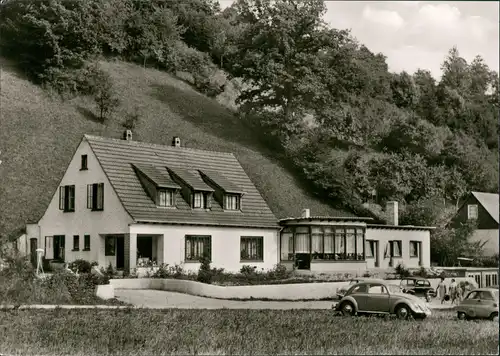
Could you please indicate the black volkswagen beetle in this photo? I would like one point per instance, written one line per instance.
(419, 287)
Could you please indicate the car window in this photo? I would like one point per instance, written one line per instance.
(495, 293)
(422, 283)
(473, 295)
(359, 289)
(409, 282)
(486, 295)
(377, 289)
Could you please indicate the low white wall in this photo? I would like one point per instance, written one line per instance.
(297, 291)
(274, 291)
(105, 291)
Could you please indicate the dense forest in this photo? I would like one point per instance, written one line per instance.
(324, 102)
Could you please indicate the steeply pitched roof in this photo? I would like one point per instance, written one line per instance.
(117, 157)
(489, 201)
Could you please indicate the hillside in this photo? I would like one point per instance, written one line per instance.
(39, 133)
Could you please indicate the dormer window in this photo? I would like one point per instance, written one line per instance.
(198, 200)
(83, 166)
(201, 200)
(165, 197)
(231, 202)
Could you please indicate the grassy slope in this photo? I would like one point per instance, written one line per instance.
(38, 135)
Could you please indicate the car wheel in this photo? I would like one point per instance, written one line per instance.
(461, 316)
(403, 312)
(494, 316)
(347, 309)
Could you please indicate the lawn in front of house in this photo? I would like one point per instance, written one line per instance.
(230, 332)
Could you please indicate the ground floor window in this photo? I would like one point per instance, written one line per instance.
(86, 243)
(414, 248)
(110, 246)
(252, 248)
(370, 248)
(76, 243)
(59, 247)
(323, 243)
(197, 247)
(395, 248)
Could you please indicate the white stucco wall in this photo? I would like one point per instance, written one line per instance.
(405, 236)
(113, 219)
(225, 245)
(491, 239)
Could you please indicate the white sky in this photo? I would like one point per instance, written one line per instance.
(418, 34)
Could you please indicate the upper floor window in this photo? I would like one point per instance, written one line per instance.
(84, 163)
(472, 212)
(67, 198)
(95, 196)
(231, 202)
(200, 200)
(165, 197)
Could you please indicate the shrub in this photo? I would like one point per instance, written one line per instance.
(82, 266)
(205, 272)
(247, 269)
(422, 272)
(402, 271)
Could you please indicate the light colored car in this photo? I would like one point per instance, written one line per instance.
(479, 303)
(341, 291)
(380, 297)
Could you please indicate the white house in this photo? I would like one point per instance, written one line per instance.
(125, 202)
(130, 203)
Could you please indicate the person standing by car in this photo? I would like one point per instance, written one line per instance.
(441, 288)
(453, 291)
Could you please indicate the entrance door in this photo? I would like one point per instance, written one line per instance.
(120, 252)
(33, 254)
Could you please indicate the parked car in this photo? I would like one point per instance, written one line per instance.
(341, 291)
(380, 297)
(480, 303)
(419, 287)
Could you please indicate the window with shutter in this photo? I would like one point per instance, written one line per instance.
(67, 198)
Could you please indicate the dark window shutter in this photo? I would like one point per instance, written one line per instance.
(61, 197)
(100, 189)
(89, 196)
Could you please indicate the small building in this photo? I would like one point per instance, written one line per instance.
(484, 209)
(340, 244)
(129, 203)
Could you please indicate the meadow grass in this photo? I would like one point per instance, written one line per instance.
(237, 332)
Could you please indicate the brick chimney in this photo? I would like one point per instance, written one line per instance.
(127, 135)
(392, 213)
(176, 142)
(306, 213)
